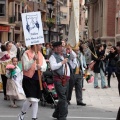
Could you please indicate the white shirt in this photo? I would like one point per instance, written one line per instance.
(54, 65)
(28, 63)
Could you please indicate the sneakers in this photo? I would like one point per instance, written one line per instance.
(97, 87)
(21, 116)
(104, 87)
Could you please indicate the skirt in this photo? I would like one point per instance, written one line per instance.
(12, 90)
(31, 87)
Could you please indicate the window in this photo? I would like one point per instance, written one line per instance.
(2, 9)
(64, 15)
(65, 2)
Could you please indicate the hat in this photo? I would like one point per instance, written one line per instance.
(55, 44)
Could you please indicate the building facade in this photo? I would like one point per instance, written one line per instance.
(10, 20)
(101, 20)
(83, 18)
(117, 19)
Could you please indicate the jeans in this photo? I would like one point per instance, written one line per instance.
(103, 83)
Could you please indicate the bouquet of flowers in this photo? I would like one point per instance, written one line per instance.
(12, 71)
(89, 77)
(10, 67)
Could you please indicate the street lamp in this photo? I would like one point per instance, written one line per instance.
(50, 8)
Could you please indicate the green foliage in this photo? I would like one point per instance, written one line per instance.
(50, 22)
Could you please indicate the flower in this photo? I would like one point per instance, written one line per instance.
(10, 67)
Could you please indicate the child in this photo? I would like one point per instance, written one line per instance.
(14, 84)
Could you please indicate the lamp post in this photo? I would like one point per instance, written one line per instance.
(50, 9)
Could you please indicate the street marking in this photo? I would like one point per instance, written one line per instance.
(69, 117)
(92, 118)
(9, 116)
(6, 116)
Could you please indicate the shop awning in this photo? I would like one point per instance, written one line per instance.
(4, 28)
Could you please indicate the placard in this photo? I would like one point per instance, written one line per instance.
(32, 26)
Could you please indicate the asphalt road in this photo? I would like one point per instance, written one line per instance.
(44, 113)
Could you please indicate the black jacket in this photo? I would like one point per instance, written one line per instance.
(99, 63)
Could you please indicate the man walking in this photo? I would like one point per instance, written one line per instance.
(61, 76)
(76, 80)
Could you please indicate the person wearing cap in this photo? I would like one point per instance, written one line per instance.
(118, 75)
(61, 75)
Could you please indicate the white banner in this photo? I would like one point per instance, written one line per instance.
(73, 35)
(32, 26)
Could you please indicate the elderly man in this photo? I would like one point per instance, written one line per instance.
(61, 76)
(76, 79)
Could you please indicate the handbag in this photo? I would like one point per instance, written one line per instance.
(91, 65)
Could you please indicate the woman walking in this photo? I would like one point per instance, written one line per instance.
(31, 84)
(5, 58)
(112, 58)
(99, 67)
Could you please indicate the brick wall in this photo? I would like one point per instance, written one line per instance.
(111, 17)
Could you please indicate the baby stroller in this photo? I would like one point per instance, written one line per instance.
(49, 94)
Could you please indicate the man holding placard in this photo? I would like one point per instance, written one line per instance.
(33, 62)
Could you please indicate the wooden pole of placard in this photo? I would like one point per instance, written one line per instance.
(36, 51)
(39, 72)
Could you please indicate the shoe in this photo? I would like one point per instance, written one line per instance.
(97, 87)
(68, 102)
(21, 116)
(34, 118)
(13, 106)
(54, 115)
(104, 87)
(83, 89)
(81, 103)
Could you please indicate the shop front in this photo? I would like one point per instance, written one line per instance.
(4, 33)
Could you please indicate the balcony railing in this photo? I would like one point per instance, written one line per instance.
(11, 19)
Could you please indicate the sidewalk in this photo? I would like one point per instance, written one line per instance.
(100, 98)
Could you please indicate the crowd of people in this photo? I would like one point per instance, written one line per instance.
(19, 67)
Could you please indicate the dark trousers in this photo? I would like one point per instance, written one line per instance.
(118, 78)
(109, 76)
(76, 81)
(4, 81)
(61, 109)
(118, 114)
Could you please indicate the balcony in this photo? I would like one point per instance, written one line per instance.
(88, 2)
(12, 19)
